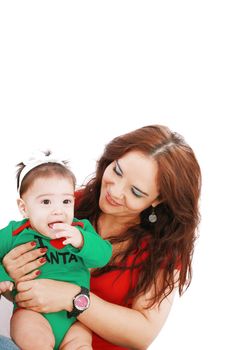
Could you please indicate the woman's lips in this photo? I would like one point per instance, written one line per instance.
(111, 201)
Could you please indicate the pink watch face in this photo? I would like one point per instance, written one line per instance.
(81, 302)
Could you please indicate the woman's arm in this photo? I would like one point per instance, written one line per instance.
(134, 328)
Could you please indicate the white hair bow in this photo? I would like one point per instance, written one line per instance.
(35, 159)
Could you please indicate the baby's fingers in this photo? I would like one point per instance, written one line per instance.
(64, 234)
(67, 241)
(10, 285)
(6, 286)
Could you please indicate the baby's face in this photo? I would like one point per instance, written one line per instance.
(48, 201)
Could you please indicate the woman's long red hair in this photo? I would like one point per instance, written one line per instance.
(171, 239)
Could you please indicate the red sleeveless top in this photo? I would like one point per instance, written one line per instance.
(113, 287)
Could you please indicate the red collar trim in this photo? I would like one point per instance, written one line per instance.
(21, 228)
(78, 223)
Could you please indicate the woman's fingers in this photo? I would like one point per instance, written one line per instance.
(20, 250)
(30, 266)
(28, 304)
(42, 295)
(29, 276)
(28, 271)
(24, 273)
(26, 296)
(23, 260)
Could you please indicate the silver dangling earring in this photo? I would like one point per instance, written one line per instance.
(153, 217)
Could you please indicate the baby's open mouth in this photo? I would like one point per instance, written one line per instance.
(50, 225)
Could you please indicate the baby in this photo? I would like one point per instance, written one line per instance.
(46, 188)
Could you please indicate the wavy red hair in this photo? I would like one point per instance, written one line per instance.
(171, 239)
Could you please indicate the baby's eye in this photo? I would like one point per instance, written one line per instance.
(46, 201)
(67, 201)
(137, 193)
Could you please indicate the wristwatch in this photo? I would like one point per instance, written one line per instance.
(81, 302)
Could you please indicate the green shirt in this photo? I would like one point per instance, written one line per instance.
(64, 262)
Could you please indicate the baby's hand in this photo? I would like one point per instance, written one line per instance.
(6, 286)
(72, 234)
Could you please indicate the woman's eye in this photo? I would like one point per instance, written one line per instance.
(136, 192)
(117, 170)
(46, 201)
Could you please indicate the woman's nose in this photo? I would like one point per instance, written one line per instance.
(118, 191)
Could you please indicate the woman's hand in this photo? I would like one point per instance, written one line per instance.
(22, 262)
(43, 295)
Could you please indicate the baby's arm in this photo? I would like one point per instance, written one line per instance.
(94, 250)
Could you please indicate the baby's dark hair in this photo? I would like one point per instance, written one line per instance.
(47, 169)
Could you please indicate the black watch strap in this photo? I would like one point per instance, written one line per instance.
(75, 311)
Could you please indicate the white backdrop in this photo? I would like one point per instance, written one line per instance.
(74, 74)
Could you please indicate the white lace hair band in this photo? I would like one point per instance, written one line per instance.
(37, 159)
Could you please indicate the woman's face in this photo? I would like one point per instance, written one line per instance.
(129, 185)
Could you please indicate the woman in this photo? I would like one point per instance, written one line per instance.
(144, 199)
